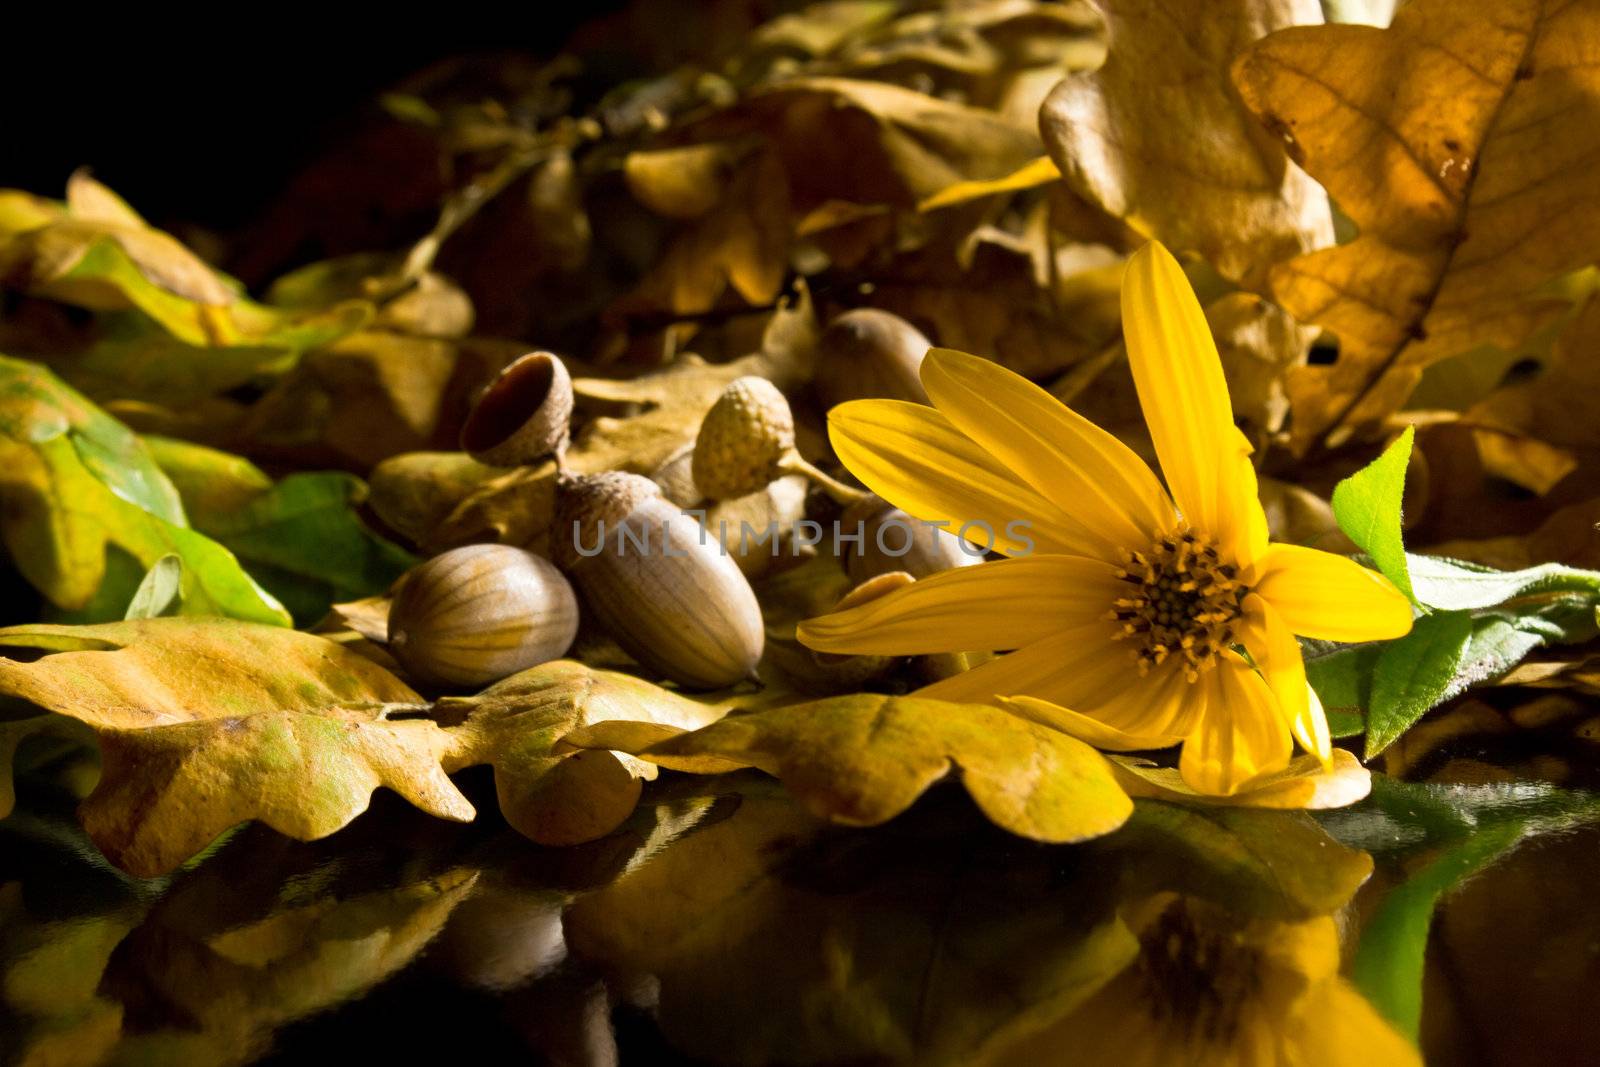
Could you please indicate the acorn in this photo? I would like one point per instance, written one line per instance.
(868, 353)
(658, 583)
(892, 540)
(746, 442)
(743, 439)
(479, 613)
(756, 530)
(524, 414)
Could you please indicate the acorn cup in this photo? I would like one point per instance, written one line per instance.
(524, 414)
(892, 540)
(656, 581)
(869, 354)
(476, 614)
(746, 442)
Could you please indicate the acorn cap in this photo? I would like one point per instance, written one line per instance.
(584, 501)
(524, 414)
(742, 439)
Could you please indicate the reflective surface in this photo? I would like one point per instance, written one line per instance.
(725, 925)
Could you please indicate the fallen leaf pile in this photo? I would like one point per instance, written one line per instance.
(212, 483)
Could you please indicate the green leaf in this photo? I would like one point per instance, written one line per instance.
(1388, 964)
(1367, 506)
(301, 538)
(87, 510)
(1456, 586)
(160, 593)
(1467, 828)
(1413, 674)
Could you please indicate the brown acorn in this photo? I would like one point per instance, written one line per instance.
(524, 414)
(868, 353)
(743, 439)
(480, 613)
(657, 582)
(892, 540)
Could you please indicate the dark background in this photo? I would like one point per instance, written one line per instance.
(205, 120)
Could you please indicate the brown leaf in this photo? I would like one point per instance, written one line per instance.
(1159, 137)
(1460, 144)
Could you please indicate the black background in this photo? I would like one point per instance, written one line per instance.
(206, 118)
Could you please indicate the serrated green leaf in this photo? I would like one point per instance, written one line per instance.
(1367, 506)
(1411, 675)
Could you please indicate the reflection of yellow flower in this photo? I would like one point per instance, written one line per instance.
(1187, 583)
(1208, 988)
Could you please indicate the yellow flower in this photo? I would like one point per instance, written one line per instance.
(1155, 618)
(1207, 988)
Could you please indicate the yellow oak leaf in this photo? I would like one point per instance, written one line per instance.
(865, 758)
(1460, 141)
(206, 723)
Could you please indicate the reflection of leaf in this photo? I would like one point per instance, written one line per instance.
(77, 482)
(1459, 143)
(301, 537)
(1127, 137)
(777, 939)
(1468, 828)
(1275, 864)
(234, 989)
(863, 759)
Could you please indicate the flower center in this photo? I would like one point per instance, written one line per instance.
(1183, 601)
(1198, 976)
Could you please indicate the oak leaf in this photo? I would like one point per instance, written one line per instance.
(203, 724)
(1459, 141)
(1159, 137)
(865, 758)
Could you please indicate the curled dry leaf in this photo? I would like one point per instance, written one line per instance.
(203, 724)
(865, 758)
(1127, 136)
(1460, 147)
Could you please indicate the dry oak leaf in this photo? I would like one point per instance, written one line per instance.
(204, 724)
(1159, 137)
(1533, 432)
(1461, 142)
(865, 758)
(515, 725)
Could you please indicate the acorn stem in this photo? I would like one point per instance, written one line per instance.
(793, 463)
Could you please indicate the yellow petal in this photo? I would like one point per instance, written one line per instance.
(913, 457)
(1319, 594)
(1277, 653)
(1086, 670)
(1107, 490)
(1304, 783)
(1240, 733)
(1003, 604)
(1178, 374)
(1084, 728)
